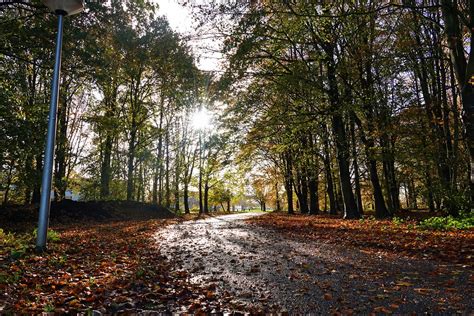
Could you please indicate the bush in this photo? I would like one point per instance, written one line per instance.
(52, 236)
(16, 245)
(465, 221)
(397, 220)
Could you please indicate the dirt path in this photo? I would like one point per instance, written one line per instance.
(252, 268)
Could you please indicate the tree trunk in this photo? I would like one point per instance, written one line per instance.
(206, 197)
(140, 181)
(29, 173)
(413, 194)
(313, 194)
(342, 148)
(328, 174)
(289, 195)
(429, 186)
(277, 197)
(154, 190)
(201, 197)
(37, 180)
(303, 194)
(61, 149)
(186, 199)
(131, 162)
(157, 178)
(167, 172)
(201, 202)
(176, 184)
(176, 197)
(9, 182)
(381, 210)
(389, 175)
(105, 168)
(464, 70)
(289, 182)
(456, 132)
(356, 169)
(350, 206)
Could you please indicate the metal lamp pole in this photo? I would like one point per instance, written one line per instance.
(45, 202)
(61, 8)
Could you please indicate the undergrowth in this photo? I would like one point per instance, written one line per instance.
(464, 221)
(17, 245)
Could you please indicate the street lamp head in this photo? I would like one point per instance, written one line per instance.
(65, 7)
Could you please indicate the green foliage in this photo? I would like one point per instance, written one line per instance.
(140, 273)
(52, 236)
(457, 201)
(58, 261)
(92, 281)
(48, 308)
(10, 278)
(465, 221)
(16, 245)
(397, 220)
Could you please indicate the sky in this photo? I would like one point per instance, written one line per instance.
(181, 20)
(178, 16)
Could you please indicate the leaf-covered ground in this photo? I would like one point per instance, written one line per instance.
(277, 264)
(244, 262)
(392, 238)
(108, 267)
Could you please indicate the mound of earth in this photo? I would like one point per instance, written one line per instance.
(67, 211)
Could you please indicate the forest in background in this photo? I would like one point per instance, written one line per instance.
(129, 90)
(340, 106)
(354, 105)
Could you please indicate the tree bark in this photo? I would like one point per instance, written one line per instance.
(105, 168)
(350, 206)
(277, 198)
(355, 165)
(167, 171)
(9, 181)
(186, 199)
(328, 174)
(302, 192)
(130, 165)
(289, 182)
(61, 147)
(464, 70)
(342, 148)
(200, 188)
(313, 195)
(37, 179)
(206, 197)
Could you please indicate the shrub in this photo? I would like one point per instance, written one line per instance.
(16, 245)
(397, 220)
(52, 236)
(465, 221)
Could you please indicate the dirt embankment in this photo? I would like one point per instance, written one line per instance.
(67, 211)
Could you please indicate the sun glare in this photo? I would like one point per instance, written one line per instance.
(201, 119)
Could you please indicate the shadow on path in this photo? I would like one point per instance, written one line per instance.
(255, 268)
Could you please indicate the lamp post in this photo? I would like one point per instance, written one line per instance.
(61, 8)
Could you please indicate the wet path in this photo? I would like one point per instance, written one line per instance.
(248, 267)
